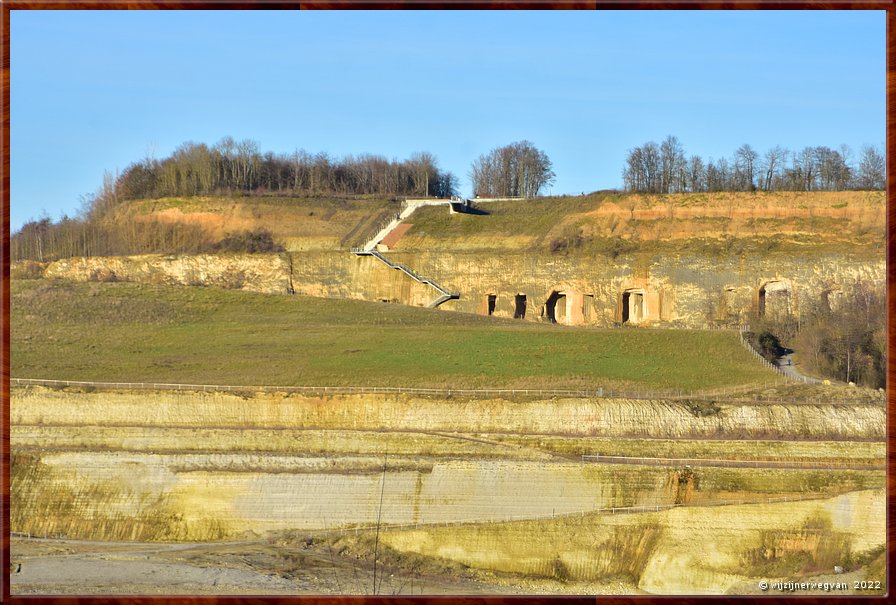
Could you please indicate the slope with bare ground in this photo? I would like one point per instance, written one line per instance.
(832, 220)
(299, 224)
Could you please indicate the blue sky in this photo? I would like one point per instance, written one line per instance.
(93, 91)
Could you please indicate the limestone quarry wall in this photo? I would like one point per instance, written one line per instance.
(140, 495)
(254, 272)
(574, 417)
(680, 551)
(167, 468)
(682, 290)
(687, 290)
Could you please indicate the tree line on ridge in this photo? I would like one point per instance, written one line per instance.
(666, 168)
(519, 169)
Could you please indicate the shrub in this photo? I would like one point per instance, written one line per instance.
(570, 240)
(26, 269)
(233, 279)
(102, 274)
(559, 570)
(766, 343)
(701, 409)
(258, 240)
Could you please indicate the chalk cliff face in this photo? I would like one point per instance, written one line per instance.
(573, 417)
(608, 258)
(254, 272)
(203, 466)
(680, 551)
(684, 290)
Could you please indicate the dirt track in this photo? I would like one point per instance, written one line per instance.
(251, 567)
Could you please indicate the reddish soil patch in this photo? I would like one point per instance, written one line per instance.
(214, 223)
(396, 234)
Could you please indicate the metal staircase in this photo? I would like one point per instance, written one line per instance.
(369, 248)
(442, 299)
(445, 294)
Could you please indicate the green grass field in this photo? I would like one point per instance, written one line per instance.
(532, 218)
(135, 333)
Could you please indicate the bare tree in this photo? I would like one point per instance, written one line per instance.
(697, 174)
(633, 175)
(671, 163)
(663, 169)
(650, 158)
(518, 169)
(423, 166)
(744, 162)
(832, 173)
(872, 172)
(772, 162)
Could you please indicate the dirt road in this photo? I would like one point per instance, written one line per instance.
(239, 568)
(785, 363)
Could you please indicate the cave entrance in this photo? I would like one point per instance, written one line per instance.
(519, 307)
(632, 306)
(555, 307)
(490, 301)
(774, 299)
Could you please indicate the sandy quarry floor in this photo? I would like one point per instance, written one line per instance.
(255, 567)
(77, 567)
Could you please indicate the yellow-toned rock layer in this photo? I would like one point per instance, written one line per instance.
(576, 417)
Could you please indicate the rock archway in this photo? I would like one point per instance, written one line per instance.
(634, 308)
(555, 310)
(776, 299)
(568, 306)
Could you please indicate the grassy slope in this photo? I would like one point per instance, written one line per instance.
(599, 223)
(131, 332)
(299, 223)
(713, 224)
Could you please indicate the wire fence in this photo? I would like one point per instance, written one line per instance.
(357, 529)
(733, 463)
(772, 366)
(746, 394)
(368, 238)
(363, 238)
(730, 395)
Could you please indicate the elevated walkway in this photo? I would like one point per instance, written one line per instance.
(369, 247)
(445, 294)
(410, 206)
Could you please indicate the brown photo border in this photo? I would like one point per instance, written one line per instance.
(8, 5)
